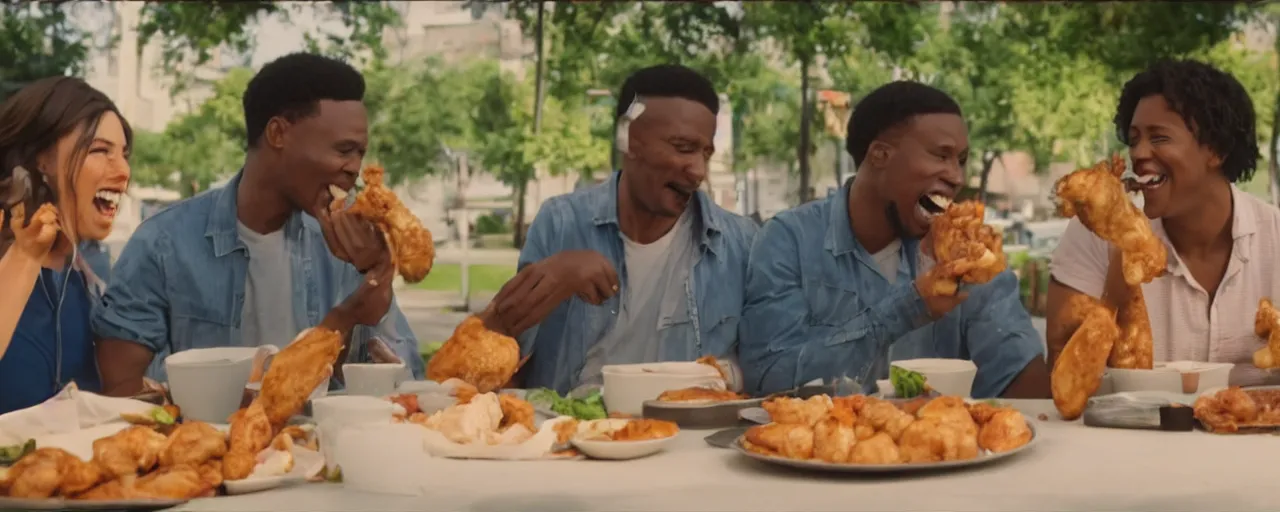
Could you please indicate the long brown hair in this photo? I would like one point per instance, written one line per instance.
(31, 123)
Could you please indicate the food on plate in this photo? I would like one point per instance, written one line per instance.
(907, 383)
(589, 407)
(193, 443)
(699, 394)
(1078, 371)
(49, 472)
(482, 419)
(296, 372)
(711, 361)
(161, 415)
(1098, 197)
(1266, 324)
(178, 482)
(407, 401)
(412, 250)
(867, 430)
(1233, 408)
(129, 451)
(477, 356)
(975, 250)
(251, 432)
(644, 430)
(1134, 348)
(10, 454)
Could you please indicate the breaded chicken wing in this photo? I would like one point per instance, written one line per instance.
(49, 472)
(1266, 324)
(885, 418)
(129, 451)
(877, 449)
(515, 412)
(1226, 410)
(1078, 371)
(797, 411)
(195, 442)
(961, 239)
(411, 247)
(477, 356)
(296, 371)
(1098, 196)
(931, 440)
(833, 436)
(251, 432)
(1000, 429)
(178, 482)
(951, 411)
(790, 440)
(1134, 349)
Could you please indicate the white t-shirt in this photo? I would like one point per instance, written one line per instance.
(267, 317)
(655, 276)
(888, 259)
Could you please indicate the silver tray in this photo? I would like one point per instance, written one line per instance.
(73, 505)
(816, 465)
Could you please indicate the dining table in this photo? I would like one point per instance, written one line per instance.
(1070, 467)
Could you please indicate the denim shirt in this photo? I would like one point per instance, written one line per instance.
(587, 219)
(817, 307)
(179, 283)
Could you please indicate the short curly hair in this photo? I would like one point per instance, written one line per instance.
(667, 81)
(1213, 104)
(293, 86)
(888, 107)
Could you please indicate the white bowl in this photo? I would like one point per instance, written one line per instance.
(321, 391)
(946, 376)
(620, 450)
(372, 379)
(1187, 377)
(208, 383)
(628, 386)
(333, 414)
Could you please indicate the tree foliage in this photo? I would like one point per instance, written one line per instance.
(37, 40)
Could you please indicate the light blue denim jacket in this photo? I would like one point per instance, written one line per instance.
(817, 307)
(179, 283)
(587, 219)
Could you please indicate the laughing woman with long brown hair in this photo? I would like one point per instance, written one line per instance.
(64, 150)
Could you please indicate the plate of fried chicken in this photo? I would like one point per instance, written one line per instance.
(864, 434)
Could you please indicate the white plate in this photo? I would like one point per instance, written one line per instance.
(76, 505)
(829, 467)
(620, 450)
(701, 404)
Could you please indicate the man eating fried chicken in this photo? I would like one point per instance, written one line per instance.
(838, 287)
(261, 259)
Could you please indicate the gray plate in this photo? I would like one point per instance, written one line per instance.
(72, 505)
(702, 416)
(828, 467)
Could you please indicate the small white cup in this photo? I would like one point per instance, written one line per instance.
(333, 414)
(372, 379)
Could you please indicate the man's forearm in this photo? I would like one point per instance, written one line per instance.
(122, 365)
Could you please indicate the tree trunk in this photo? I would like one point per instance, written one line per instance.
(522, 187)
(806, 119)
(1273, 148)
(988, 161)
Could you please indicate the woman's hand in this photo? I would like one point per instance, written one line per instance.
(34, 237)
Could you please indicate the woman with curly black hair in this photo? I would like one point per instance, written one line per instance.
(1191, 133)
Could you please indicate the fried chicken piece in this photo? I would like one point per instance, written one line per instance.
(251, 432)
(1266, 324)
(408, 401)
(696, 394)
(1098, 196)
(1003, 429)
(1226, 410)
(565, 430)
(515, 412)
(877, 449)
(933, 439)
(790, 440)
(1078, 371)
(178, 482)
(193, 443)
(1134, 349)
(795, 411)
(211, 472)
(412, 250)
(711, 361)
(645, 429)
(48, 472)
(961, 239)
(296, 372)
(950, 411)
(834, 437)
(884, 417)
(477, 356)
(129, 451)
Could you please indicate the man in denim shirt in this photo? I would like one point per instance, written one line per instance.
(656, 267)
(250, 263)
(836, 288)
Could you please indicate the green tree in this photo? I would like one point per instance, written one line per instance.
(37, 40)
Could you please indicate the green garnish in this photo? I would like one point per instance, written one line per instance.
(906, 383)
(429, 350)
(590, 407)
(11, 454)
(162, 416)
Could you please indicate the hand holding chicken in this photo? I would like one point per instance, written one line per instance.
(412, 249)
(1098, 197)
(1078, 371)
(1266, 325)
(964, 248)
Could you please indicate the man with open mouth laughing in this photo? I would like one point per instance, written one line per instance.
(839, 288)
(643, 267)
(1191, 133)
(253, 263)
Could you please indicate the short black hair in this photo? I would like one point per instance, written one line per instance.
(1214, 105)
(292, 87)
(888, 107)
(667, 81)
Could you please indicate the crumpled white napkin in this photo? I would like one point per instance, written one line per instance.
(70, 410)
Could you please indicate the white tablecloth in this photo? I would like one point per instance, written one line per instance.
(1073, 467)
